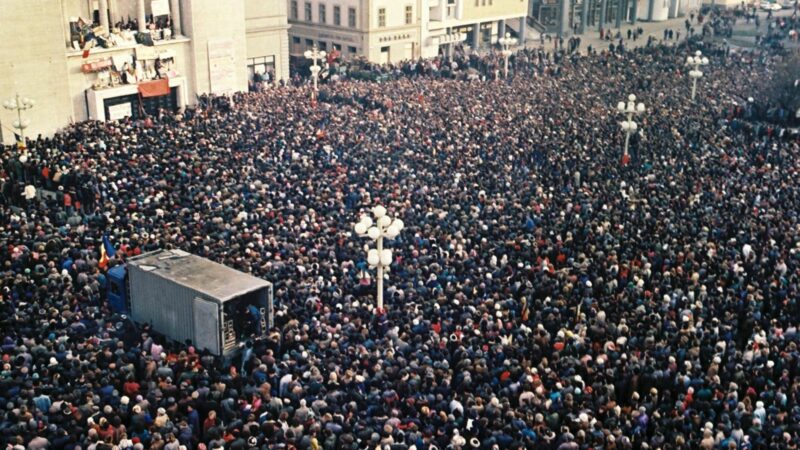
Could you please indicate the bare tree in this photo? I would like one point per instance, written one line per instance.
(784, 88)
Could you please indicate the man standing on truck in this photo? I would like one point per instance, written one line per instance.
(254, 316)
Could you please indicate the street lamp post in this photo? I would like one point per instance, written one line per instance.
(629, 109)
(696, 61)
(379, 257)
(20, 104)
(507, 42)
(315, 54)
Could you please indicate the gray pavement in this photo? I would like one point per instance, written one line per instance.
(744, 34)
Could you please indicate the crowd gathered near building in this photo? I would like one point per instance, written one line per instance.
(546, 293)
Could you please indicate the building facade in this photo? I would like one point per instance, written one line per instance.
(267, 37)
(475, 23)
(107, 59)
(380, 30)
(565, 17)
(396, 30)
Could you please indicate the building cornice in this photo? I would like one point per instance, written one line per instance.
(266, 29)
(298, 25)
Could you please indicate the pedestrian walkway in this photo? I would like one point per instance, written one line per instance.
(744, 33)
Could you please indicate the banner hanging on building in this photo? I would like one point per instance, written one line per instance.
(159, 8)
(221, 66)
(155, 88)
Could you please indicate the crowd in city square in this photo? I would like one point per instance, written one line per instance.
(546, 293)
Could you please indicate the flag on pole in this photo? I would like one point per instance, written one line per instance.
(109, 247)
(107, 252)
(524, 309)
(103, 262)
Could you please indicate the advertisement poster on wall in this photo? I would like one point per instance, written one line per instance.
(120, 111)
(221, 66)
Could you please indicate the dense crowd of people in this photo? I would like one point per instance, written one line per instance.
(543, 294)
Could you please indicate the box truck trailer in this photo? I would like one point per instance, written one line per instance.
(186, 297)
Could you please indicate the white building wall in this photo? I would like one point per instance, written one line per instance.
(660, 13)
(34, 65)
(689, 6)
(266, 29)
(642, 9)
(660, 10)
(397, 35)
(209, 21)
(368, 38)
(329, 33)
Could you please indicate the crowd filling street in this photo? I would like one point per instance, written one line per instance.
(546, 293)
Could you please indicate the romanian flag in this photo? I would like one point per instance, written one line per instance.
(107, 251)
(525, 311)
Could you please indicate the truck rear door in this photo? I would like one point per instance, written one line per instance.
(206, 325)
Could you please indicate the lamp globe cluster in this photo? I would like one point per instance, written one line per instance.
(382, 227)
(695, 62)
(20, 104)
(629, 108)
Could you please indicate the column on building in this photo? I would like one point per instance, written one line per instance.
(563, 18)
(141, 16)
(113, 11)
(523, 28)
(620, 10)
(501, 28)
(585, 15)
(476, 36)
(635, 11)
(103, 13)
(67, 39)
(651, 6)
(602, 24)
(175, 14)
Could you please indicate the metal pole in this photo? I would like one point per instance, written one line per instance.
(380, 275)
(19, 118)
(271, 308)
(628, 133)
(506, 68)
(316, 72)
(627, 138)
(694, 86)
